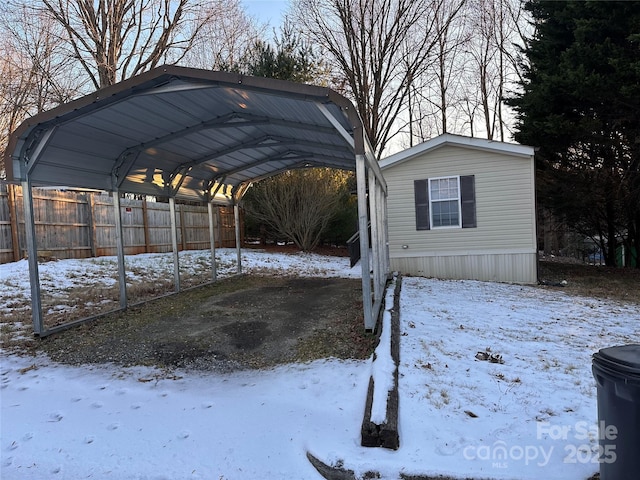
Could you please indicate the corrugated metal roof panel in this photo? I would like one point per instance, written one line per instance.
(210, 126)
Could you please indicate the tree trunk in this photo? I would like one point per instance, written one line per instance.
(610, 252)
(634, 241)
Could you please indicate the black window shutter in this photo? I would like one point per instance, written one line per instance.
(421, 192)
(468, 198)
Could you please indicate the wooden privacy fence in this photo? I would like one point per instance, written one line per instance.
(71, 224)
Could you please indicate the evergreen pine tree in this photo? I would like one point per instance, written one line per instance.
(580, 105)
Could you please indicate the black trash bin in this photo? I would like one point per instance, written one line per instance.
(617, 374)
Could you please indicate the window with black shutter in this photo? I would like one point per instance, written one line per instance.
(445, 202)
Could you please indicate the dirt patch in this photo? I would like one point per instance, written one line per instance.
(242, 322)
(621, 284)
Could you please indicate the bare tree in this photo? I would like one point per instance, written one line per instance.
(379, 47)
(13, 95)
(483, 51)
(496, 34)
(116, 39)
(298, 204)
(449, 44)
(475, 66)
(435, 91)
(520, 29)
(34, 73)
(469, 108)
(225, 38)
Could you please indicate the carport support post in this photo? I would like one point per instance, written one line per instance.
(236, 221)
(385, 232)
(122, 274)
(212, 240)
(363, 226)
(32, 253)
(375, 235)
(174, 243)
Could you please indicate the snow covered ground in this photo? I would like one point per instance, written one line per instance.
(533, 416)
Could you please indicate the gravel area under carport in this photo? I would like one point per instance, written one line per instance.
(237, 323)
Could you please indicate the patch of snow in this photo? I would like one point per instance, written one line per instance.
(384, 367)
(533, 416)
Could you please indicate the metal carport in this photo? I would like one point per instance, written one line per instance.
(199, 135)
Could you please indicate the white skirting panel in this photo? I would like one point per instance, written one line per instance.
(508, 268)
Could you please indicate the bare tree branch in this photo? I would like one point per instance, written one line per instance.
(225, 39)
(379, 46)
(115, 39)
(34, 72)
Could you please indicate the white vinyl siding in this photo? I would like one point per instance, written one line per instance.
(505, 208)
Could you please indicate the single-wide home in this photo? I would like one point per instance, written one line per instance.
(463, 208)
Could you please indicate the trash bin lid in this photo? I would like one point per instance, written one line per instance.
(625, 358)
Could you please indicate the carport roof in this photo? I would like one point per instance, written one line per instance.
(187, 133)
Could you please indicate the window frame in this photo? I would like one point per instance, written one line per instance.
(458, 199)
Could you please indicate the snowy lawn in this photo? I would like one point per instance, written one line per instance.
(533, 416)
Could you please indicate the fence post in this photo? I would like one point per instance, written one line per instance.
(183, 229)
(236, 221)
(145, 226)
(91, 224)
(212, 240)
(220, 225)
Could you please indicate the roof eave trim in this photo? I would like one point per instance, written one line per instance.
(448, 139)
